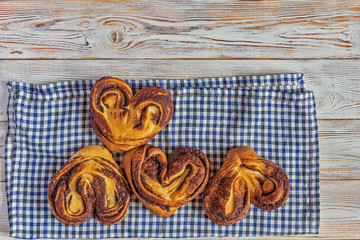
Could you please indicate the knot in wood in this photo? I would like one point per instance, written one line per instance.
(116, 36)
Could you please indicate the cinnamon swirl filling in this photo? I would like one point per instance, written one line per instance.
(164, 183)
(124, 121)
(89, 184)
(244, 177)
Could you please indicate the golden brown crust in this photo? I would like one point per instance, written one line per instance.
(165, 184)
(124, 121)
(90, 183)
(244, 177)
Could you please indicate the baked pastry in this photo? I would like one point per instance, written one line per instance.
(244, 177)
(124, 121)
(90, 183)
(165, 184)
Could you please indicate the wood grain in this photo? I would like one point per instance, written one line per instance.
(3, 131)
(336, 83)
(340, 211)
(270, 29)
(145, 39)
(4, 222)
(339, 149)
(4, 97)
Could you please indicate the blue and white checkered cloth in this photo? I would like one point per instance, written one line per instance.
(272, 114)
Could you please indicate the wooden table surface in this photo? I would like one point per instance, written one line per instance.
(45, 41)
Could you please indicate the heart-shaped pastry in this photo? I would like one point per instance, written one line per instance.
(244, 177)
(124, 121)
(89, 184)
(165, 184)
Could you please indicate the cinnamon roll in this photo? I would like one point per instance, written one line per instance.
(124, 121)
(244, 177)
(163, 183)
(89, 184)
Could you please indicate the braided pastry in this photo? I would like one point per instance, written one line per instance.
(244, 177)
(124, 121)
(165, 184)
(90, 183)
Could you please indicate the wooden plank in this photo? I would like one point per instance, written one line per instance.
(339, 149)
(336, 84)
(4, 95)
(3, 131)
(113, 29)
(340, 211)
(2, 167)
(4, 222)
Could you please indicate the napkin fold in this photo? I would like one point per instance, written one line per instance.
(272, 114)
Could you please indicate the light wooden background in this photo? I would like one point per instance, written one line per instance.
(58, 40)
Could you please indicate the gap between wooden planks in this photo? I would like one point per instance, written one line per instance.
(336, 83)
(179, 29)
(340, 211)
(339, 149)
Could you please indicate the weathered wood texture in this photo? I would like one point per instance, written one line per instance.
(4, 222)
(145, 39)
(179, 29)
(3, 131)
(339, 149)
(340, 211)
(336, 84)
(339, 145)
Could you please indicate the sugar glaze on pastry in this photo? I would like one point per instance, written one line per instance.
(244, 177)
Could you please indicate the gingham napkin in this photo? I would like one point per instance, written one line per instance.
(274, 115)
